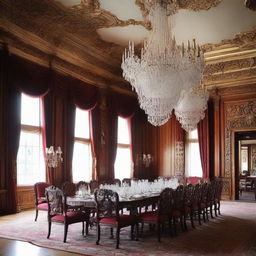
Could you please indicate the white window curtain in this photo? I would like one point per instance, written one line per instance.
(82, 156)
(123, 163)
(193, 166)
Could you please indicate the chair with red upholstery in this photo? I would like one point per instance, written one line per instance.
(193, 180)
(40, 200)
(108, 214)
(162, 215)
(59, 212)
(178, 208)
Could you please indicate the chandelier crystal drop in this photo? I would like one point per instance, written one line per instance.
(164, 69)
(191, 107)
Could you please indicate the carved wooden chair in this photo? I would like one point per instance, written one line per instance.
(82, 184)
(69, 188)
(108, 214)
(59, 212)
(40, 199)
(127, 181)
(188, 204)
(162, 215)
(94, 184)
(178, 208)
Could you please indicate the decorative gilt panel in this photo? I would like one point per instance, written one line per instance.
(237, 116)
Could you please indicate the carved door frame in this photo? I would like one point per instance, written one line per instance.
(233, 170)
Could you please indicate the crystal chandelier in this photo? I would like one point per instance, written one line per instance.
(191, 106)
(164, 69)
(53, 157)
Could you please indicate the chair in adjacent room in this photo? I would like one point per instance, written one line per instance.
(94, 184)
(59, 212)
(69, 188)
(40, 199)
(108, 214)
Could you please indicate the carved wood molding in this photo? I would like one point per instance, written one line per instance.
(240, 115)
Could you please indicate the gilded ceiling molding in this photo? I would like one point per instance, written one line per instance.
(251, 4)
(245, 39)
(223, 67)
(193, 5)
(198, 5)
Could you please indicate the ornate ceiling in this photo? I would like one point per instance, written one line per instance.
(67, 35)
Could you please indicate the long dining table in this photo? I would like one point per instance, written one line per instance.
(124, 203)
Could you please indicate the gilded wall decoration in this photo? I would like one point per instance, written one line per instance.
(237, 116)
(179, 158)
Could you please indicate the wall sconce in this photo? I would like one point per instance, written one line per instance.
(53, 157)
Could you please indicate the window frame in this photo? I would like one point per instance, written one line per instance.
(38, 130)
(85, 141)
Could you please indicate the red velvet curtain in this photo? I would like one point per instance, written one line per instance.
(203, 138)
(10, 130)
(30, 78)
(95, 134)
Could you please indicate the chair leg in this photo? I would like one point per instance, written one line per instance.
(174, 226)
(199, 217)
(211, 212)
(137, 231)
(181, 224)
(185, 223)
(219, 207)
(98, 233)
(36, 214)
(117, 237)
(87, 227)
(49, 229)
(65, 233)
(215, 210)
(83, 228)
(132, 232)
(159, 232)
(111, 233)
(192, 220)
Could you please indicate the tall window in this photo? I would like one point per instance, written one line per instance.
(123, 163)
(82, 157)
(30, 159)
(193, 160)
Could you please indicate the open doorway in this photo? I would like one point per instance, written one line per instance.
(245, 165)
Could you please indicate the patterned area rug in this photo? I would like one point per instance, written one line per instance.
(232, 233)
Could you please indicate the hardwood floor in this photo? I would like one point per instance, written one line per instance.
(17, 248)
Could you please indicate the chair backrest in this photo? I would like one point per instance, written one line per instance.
(179, 197)
(165, 203)
(188, 194)
(193, 180)
(203, 192)
(127, 181)
(39, 189)
(107, 203)
(93, 185)
(56, 200)
(69, 188)
(82, 184)
(111, 182)
(197, 194)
